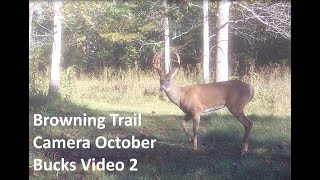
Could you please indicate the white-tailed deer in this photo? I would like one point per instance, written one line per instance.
(195, 99)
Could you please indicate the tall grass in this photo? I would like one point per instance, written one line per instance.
(272, 87)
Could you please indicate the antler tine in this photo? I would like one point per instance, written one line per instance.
(156, 61)
(178, 58)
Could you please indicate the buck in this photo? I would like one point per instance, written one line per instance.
(196, 99)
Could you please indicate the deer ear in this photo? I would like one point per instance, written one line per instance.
(173, 72)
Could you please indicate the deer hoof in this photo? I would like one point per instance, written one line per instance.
(243, 154)
(244, 149)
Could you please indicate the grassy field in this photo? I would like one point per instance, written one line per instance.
(127, 93)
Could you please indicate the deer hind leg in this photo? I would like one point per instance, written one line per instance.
(247, 129)
(183, 124)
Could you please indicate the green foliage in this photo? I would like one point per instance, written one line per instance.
(38, 85)
(99, 34)
(119, 37)
(147, 28)
(67, 83)
(38, 82)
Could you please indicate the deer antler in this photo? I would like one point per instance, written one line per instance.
(156, 61)
(178, 58)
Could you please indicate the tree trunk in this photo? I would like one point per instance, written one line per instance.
(136, 65)
(206, 54)
(31, 9)
(222, 68)
(166, 39)
(56, 49)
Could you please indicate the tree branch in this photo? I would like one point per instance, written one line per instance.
(252, 11)
(276, 17)
(194, 5)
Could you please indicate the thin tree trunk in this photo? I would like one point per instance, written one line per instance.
(56, 49)
(31, 9)
(222, 67)
(166, 39)
(136, 65)
(206, 55)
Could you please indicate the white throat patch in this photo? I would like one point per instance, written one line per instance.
(166, 89)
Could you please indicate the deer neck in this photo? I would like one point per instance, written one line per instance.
(174, 94)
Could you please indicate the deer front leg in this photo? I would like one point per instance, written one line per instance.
(196, 122)
(183, 124)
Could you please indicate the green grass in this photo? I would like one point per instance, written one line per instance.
(220, 134)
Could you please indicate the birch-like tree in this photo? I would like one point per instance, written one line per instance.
(206, 54)
(31, 10)
(222, 68)
(166, 38)
(56, 49)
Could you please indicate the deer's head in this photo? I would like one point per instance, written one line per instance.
(166, 79)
